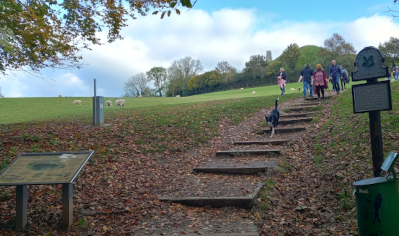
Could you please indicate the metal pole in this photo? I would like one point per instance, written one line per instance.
(21, 207)
(376, 140)
(67, 205)
(94, 104)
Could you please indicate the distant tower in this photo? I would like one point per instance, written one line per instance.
(268, 56)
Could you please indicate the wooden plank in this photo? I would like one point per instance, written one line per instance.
(301, 108)
(285, 130)
(297, 115)
(264, 142)
(238, 152)
(315, 98)
(288, 122)
(234, 170)
(217, 202)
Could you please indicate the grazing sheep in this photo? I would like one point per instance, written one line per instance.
(292, 90)
(178, 96)
(77, 102)
(120, 103)
(109, 103)
(253, 92)
(140, 96)
(241, 88)
(60, 96)
(299, 89)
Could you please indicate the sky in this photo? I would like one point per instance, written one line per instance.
(213, 31)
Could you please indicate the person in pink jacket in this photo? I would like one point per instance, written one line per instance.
(319, 81)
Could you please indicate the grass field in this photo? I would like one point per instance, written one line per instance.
(16, 110)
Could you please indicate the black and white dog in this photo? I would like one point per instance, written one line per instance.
(272, 119)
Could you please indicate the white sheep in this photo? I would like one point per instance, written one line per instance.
(77, 102)
(109, 103)
(120, 102)
(178, 96)
(241, 88)
(253, 92)
(140, 96)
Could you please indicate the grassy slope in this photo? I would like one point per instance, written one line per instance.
(16, 110)
(344, 151)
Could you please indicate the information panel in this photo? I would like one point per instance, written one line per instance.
(44, 168)
(372, 97)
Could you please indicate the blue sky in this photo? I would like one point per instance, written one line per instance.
(215, 30)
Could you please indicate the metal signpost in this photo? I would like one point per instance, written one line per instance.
(40, 169)
(98, 108)
(372, 97)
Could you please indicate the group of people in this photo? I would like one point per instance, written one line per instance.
(316, 80)
(394, 73)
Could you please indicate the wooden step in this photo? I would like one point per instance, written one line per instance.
(288, 122)
(315, 98)
(301, 108)
(285, 130)
(217, 202)
(264, 142)
(305, 104)
(297, 115)
(244, 170)
(243, 152)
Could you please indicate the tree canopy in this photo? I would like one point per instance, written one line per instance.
(158, 75)
(390, 49)
(338, 46)
(35, 34)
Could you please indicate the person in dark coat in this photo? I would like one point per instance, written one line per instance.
(284, 77)
(307, 76)
(335, 75)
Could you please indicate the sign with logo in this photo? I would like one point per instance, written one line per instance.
(372, 97)
(369, 64)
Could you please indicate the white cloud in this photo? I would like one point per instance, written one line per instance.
(230, 35)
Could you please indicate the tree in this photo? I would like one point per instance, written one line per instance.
(135, 85)
(180, 72)
(338, 46)
(35, 34)
(225, 68)
(254, 61)
(390, 50)
(157, 75)
(290, 56)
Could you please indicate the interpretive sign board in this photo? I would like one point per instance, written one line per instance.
(372, 97)
(369, 63)
(44, 168)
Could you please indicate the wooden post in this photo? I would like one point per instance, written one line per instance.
(376, 142)
(21, 207)
(376, 139)
(67, 205)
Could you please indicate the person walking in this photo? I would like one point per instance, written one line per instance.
(335, 75)
(319, 81)
(307, 75)
(396, 74)
(284, 77)
(344, 77)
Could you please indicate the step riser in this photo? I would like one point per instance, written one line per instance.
(297, 115)
(301, 108)
(243, 154)
(217, 202)
(261, 142)
(289, 122)
(268, 131)
(236, 171)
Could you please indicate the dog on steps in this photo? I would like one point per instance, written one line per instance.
(272, 119)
